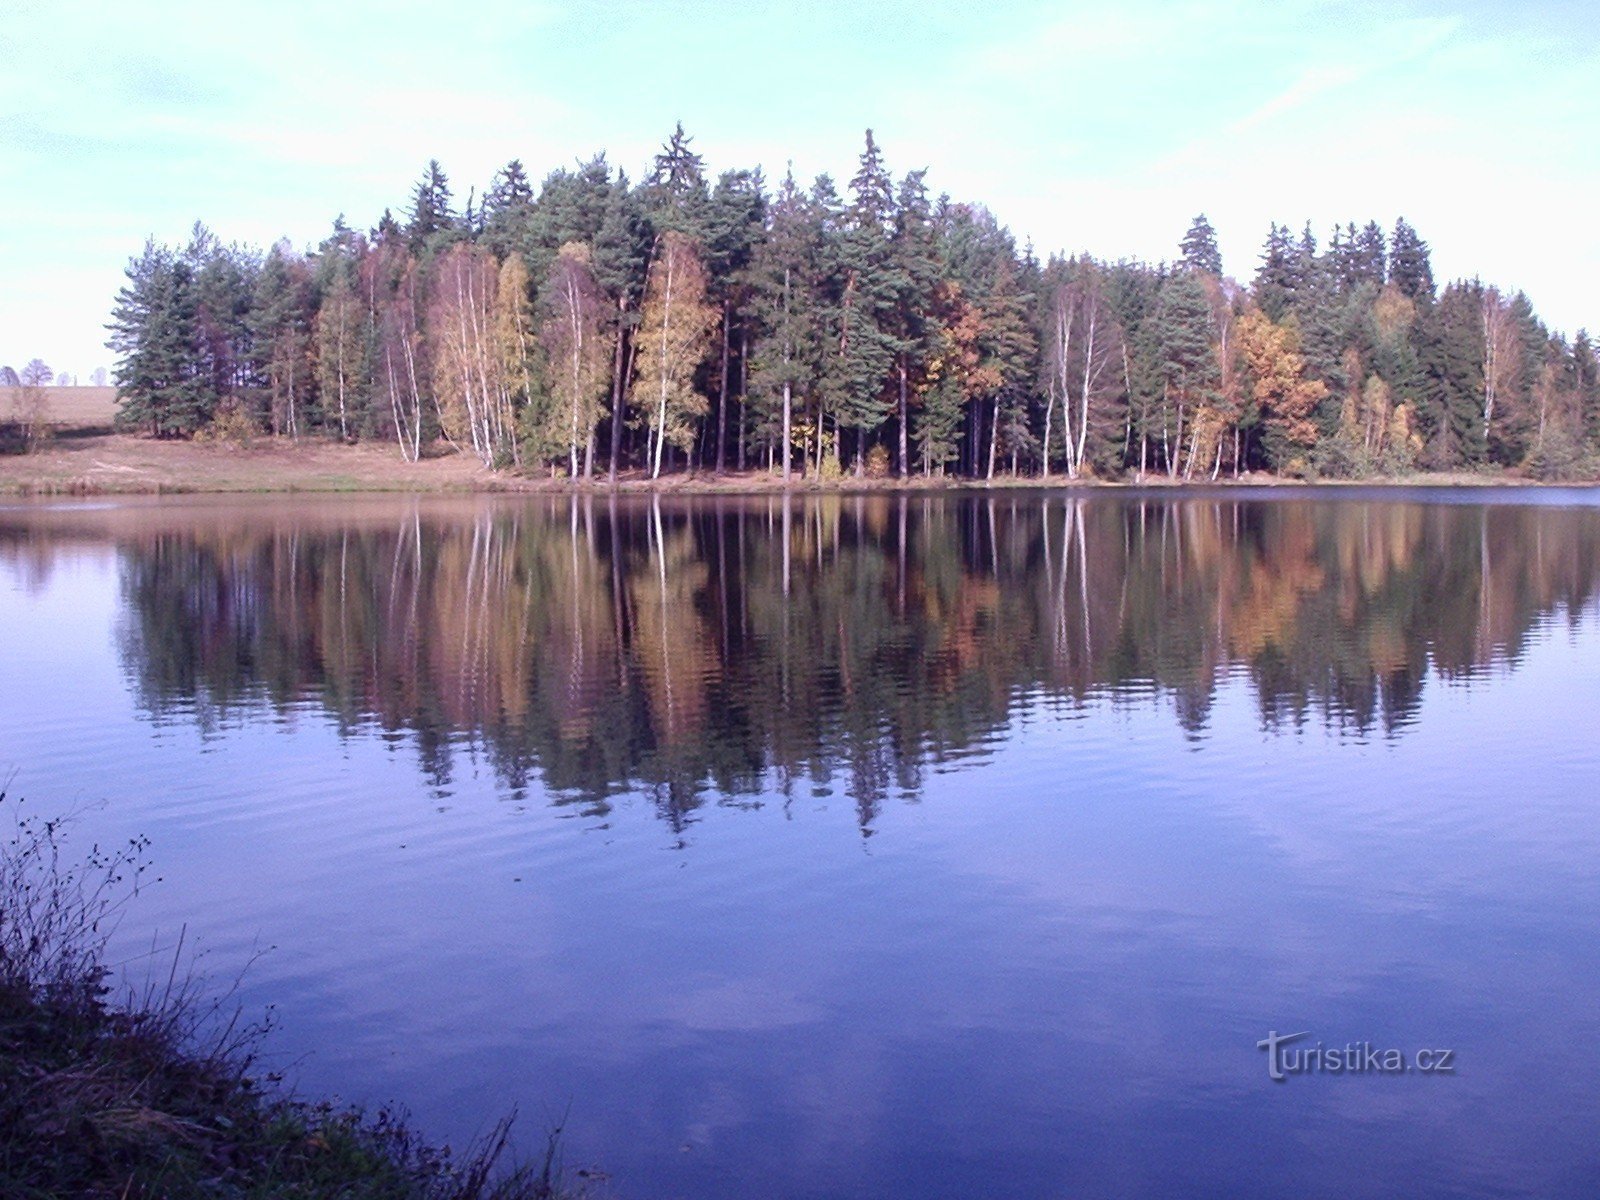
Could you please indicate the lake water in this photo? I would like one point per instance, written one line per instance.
(866, 846)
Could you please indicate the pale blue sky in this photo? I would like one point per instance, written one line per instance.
(1086, 126)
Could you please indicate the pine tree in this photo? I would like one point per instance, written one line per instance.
(1586, 382)
(735, 218)
(915, 253)
(784, 304)
(676, 189)
(224, 277)
(1452, 359)
(280, 321)
(1278, 278)
(1410, 268)
(1187, 373)
(1007, 346)
(430, 213)
(1369, 256)
(620, 263)
(508, 210)
(1199, 247)
(571, 208)
(152, 331)
(869, 287)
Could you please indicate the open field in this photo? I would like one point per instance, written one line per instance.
(67, 407)
(111, 463)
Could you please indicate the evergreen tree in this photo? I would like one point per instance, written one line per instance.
(1410, 268)
(869, 288)
(1369, 256)
(784, 307)
(508, 210)
(430, 214)
(620, 262)
(1186, 366)
(571, 209)
(159, 388)
(677, 187)
(735, 219)
(1586, 383)
(1007, 345)
(915, 253)
(1278, 278)
(224, 277)
(281, 323)
(1452, 360)
(1199, 247)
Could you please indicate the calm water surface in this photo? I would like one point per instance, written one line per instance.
(932, 847)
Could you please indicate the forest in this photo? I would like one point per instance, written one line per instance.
(595, 326)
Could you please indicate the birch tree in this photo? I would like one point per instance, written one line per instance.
(577, 352)
(338, 350)
(469, 390)
(672, 341)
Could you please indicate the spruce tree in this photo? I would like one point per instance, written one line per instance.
(1452, 365)
(1199, 247)
(152, 332)
(508, 209)
(1186, 370)
(1410, 268)
(1369, 255)
(916, 332)
(735, 218)
(784, 307)
(1279, 276)
(430, 206)
(870, 286)
(676, 189)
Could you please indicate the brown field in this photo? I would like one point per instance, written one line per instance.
(67, 407)
(95, 463)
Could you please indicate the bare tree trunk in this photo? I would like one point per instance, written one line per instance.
(905, 444)
(722, 392)
(1090, 373)
(1049, 411)
(617, 392)
(994, 435)
(661, 408)
(744, 389)
(788, 431)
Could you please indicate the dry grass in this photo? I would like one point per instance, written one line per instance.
(152, 1098)
(66, 407)
(94, 464)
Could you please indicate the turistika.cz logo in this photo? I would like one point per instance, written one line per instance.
(1288, 1055)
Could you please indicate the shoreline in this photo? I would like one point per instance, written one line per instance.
(109, 464)
(110, 1088)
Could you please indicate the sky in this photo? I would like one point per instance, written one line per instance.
(1085, 126)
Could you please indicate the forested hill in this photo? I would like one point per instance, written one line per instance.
(595, 324)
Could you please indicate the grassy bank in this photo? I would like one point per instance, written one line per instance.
(88, 463)
(155, 1096)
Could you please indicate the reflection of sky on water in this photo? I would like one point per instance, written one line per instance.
(1045, 972)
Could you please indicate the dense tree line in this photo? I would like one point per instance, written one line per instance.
(596, 325)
